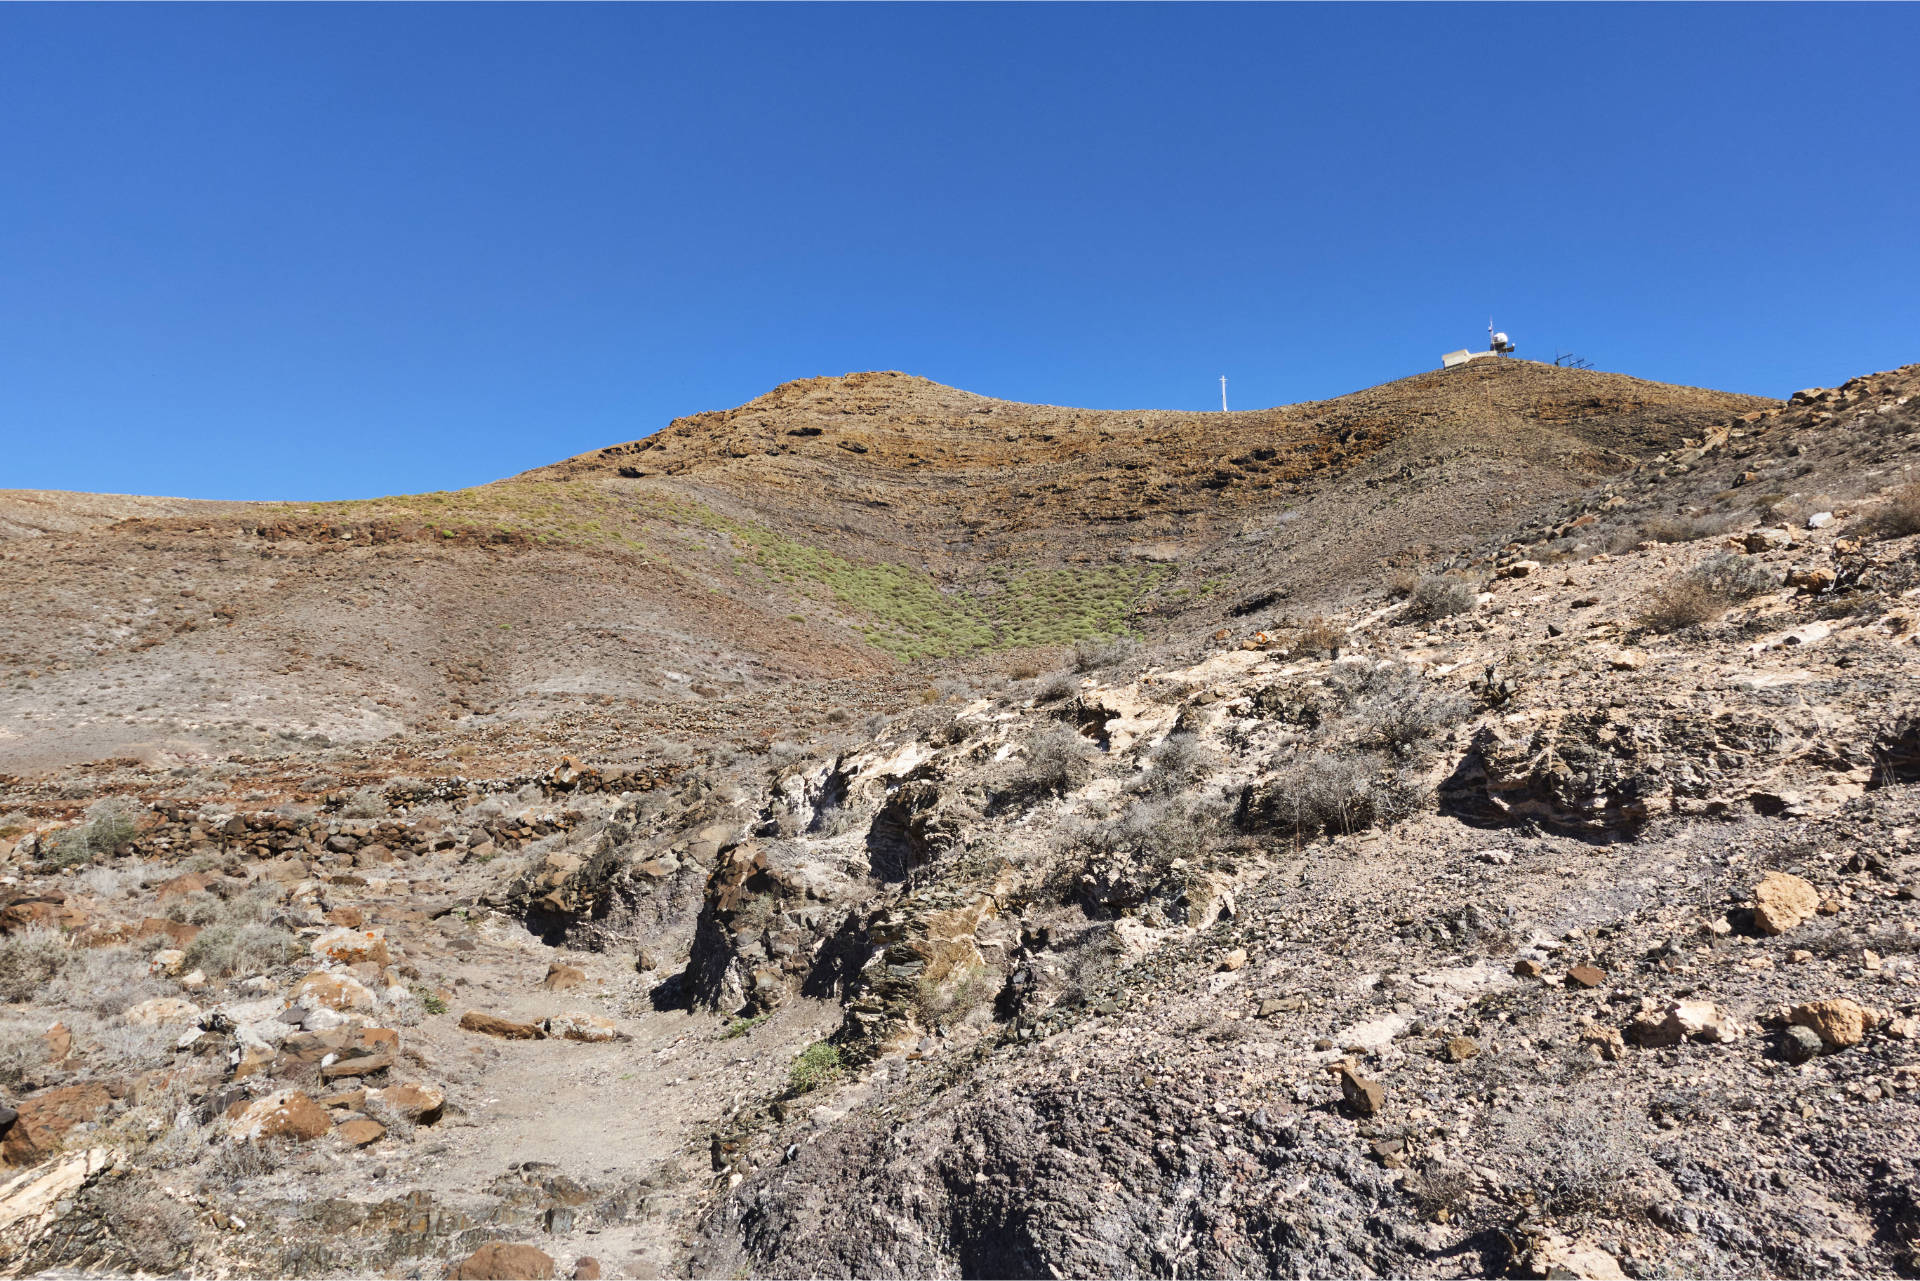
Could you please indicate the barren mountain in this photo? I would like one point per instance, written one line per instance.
(1461, 828)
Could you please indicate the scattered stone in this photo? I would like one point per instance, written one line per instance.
(414, 1101)
(1587, 975)
(1677, 1021)
(1234, 960)
(1459, 1049)
(1366, 1097)
(561, 977)
(284, 1114)
(360, 1133)
(505, 1029)
(1528, 969)
(166, 962)
(350, 946)
(499, 1261)
(328, 990)
(161, 1011)
(1605, 1042)
(1839, 1023)
(586, 1268)
(41, 1120)
(1782, 901)
(1767, 540)
(577, 1025)
(1798, 1043)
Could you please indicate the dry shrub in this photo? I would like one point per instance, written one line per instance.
(1439, 596)
(1180, 761)
(1317, 638)
(1057, 762)
(1332, 794)
(1395, 706)
(1102, 652)
(1900, 515)
(1058, 686)
(1703, 593)
(30, 959)
(105, 981)
(22, 1049)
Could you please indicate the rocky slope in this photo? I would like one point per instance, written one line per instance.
(1504, 867)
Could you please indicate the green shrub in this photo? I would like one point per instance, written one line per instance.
(814, 1067)
(740, 1027)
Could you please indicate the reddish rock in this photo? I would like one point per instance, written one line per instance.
(561, 977)
(416, 1101)
(1366, 1097)
(46, 1116)
(586, 1268)
(191, 883)
(284, 1114)
(1587, 975)
(498, 1261)
(50, 911)
(360, 1133)
(351, 917)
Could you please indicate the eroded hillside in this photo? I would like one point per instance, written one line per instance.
(1487, 850)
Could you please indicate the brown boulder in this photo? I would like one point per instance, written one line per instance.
(1838, 1023)
(284, 1114)
(50, 911)
(414, 1101)
(498, 1261)
(586, 1268)
(505, 1029)
(1368, 1098)
(43, 1118)
(561, 977)
(1781, 901)
(360, 1133)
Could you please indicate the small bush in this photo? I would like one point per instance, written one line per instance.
(1056, 687)
(22, 1049)
(1317, 638)
(29, 960)
(1683, 529)
(1333, 794)
(1395, 706)
(740, 1027)
(1057, 762)
(1440, 596)
(814, 1067)
(1180, 761)
(1097, 653)
(957, 997)
(1703, 593)
(1900, 515)
(230, 947)
(105, 981)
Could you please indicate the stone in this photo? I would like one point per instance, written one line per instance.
(414, 1101)
(586, 1268)
(1626, 660)
(561, 977)
(1767, 540)
(1366, 1097)
(1459, 1049)
(1812, 581)
(360, 1133)
(327, 990)
(1234, 960)
(1582, 1260)
(1782, 901)
(1604, 1042)
(1519, 569)
(1528, 969)
(1819, 520)
(347, 946)
(1839, 1023)
(1668, 1025)
(162, 1011)
(59, 1041)
(284, 1114)
(505, 1029)
(42, 1119)
(350, 917)
(1587, 975)
(577, 1025)
(32, 1200)
(499, 1261)
(1798, 1044)
(166, 962)
(193, 980)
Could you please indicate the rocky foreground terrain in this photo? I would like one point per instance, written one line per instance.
(1466, 828)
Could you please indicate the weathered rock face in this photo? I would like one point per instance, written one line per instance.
(43, 1119)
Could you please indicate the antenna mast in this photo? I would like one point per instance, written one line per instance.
(1223, 393)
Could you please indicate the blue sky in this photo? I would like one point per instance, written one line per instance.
(343, 250)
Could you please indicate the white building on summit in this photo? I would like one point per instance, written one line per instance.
(1497, 345)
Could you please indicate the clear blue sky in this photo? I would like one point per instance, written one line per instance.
(341, 250)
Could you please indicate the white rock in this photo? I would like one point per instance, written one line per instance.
(162, 1010)
(1819, 520)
